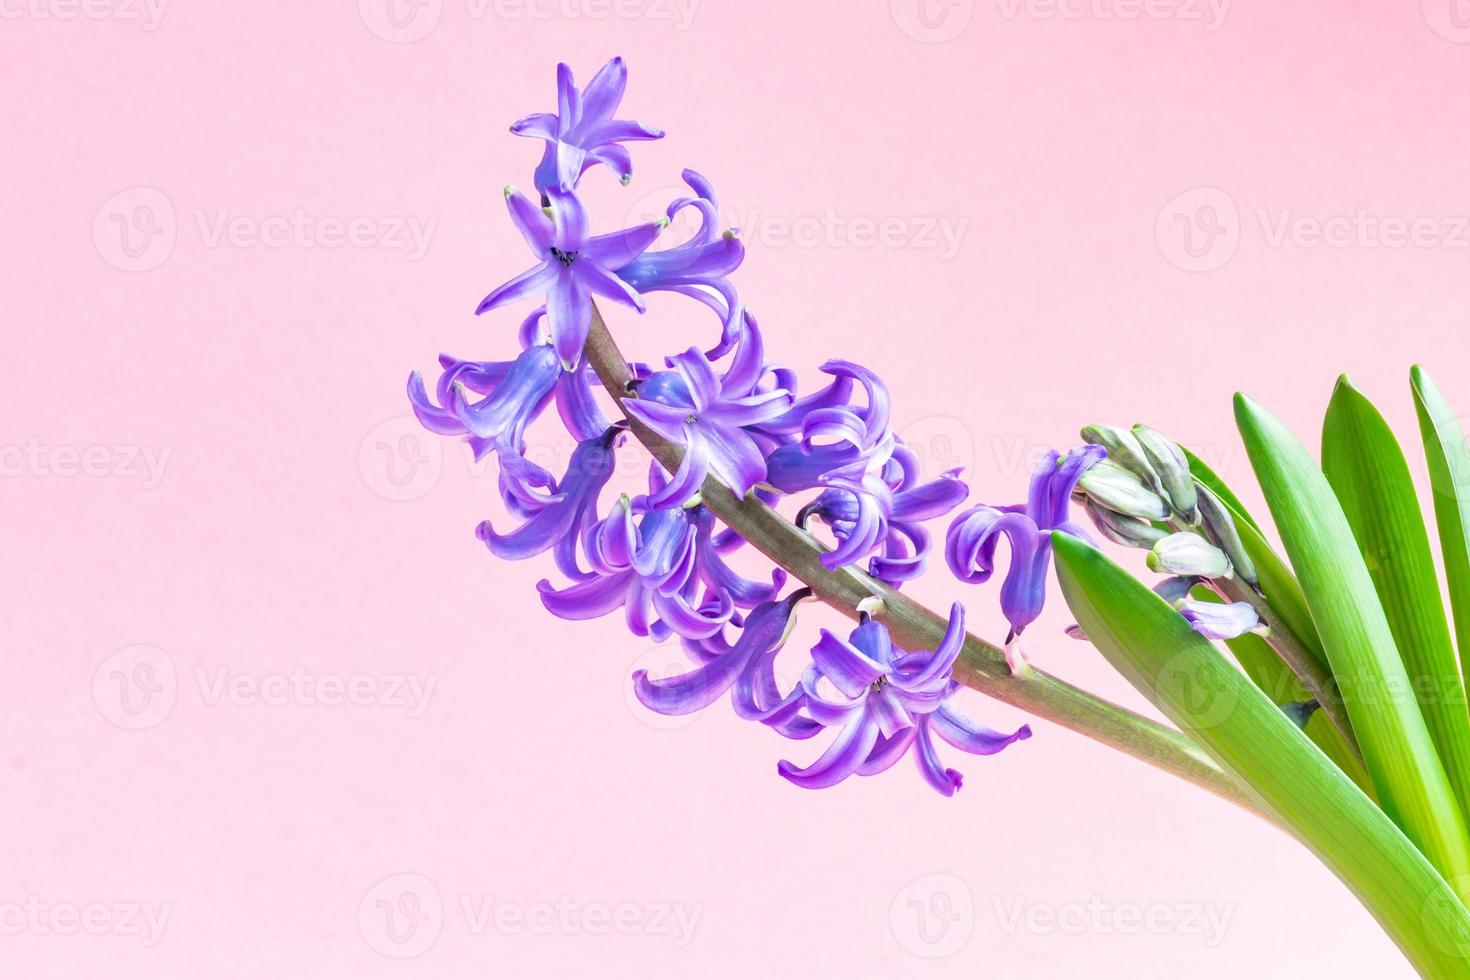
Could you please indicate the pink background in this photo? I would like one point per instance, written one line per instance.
(286, 530)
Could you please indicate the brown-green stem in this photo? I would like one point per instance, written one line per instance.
(982, 666)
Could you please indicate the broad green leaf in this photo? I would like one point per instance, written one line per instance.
(1188, 678)
(1449, 478)
(1367, 470)
(1270, 673)
(1397, 749)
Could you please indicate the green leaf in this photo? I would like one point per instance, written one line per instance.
(1397, 749)
(1367, 470)
(1449, 478)
(1188, 679)
(1264, 666)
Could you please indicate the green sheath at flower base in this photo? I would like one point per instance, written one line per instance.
(1121, 490)
(1397, 748)
(1367, 469)
(1219, 527)
(1188, 679)
(1123, 449)
(1449, 478)
(1168, 461)
(1122, 529)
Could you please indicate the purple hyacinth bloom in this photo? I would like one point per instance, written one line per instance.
(663, 571)
(972, 539)
(840, 446)
(744, 668)
(582, 132)
(1213, 620)
(886, 702)
(898, 526)
(573, 266)
(556, 521)
(692, 406)
(699, 268)
(515, 394)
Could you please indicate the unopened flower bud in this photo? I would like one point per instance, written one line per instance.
(1186, 553)
(1120, 490)
(1124, 450)
(1168, 461)
(1219, 527)
(1122, 529)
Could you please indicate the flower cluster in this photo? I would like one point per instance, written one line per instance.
(740, 425)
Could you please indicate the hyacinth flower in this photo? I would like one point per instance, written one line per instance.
(555, 522)
(900, 533)
(883, 702)
(971, 544)
(1215, 620)
(515, 393)
(843, 447)
(694, 407)
(574, 266)
(662, 568)
(742, 668)
(700, 267)
(582, 132)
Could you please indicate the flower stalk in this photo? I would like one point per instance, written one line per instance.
(981, 666)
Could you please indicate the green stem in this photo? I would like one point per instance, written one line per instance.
(1308, 669)
(982, 666)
